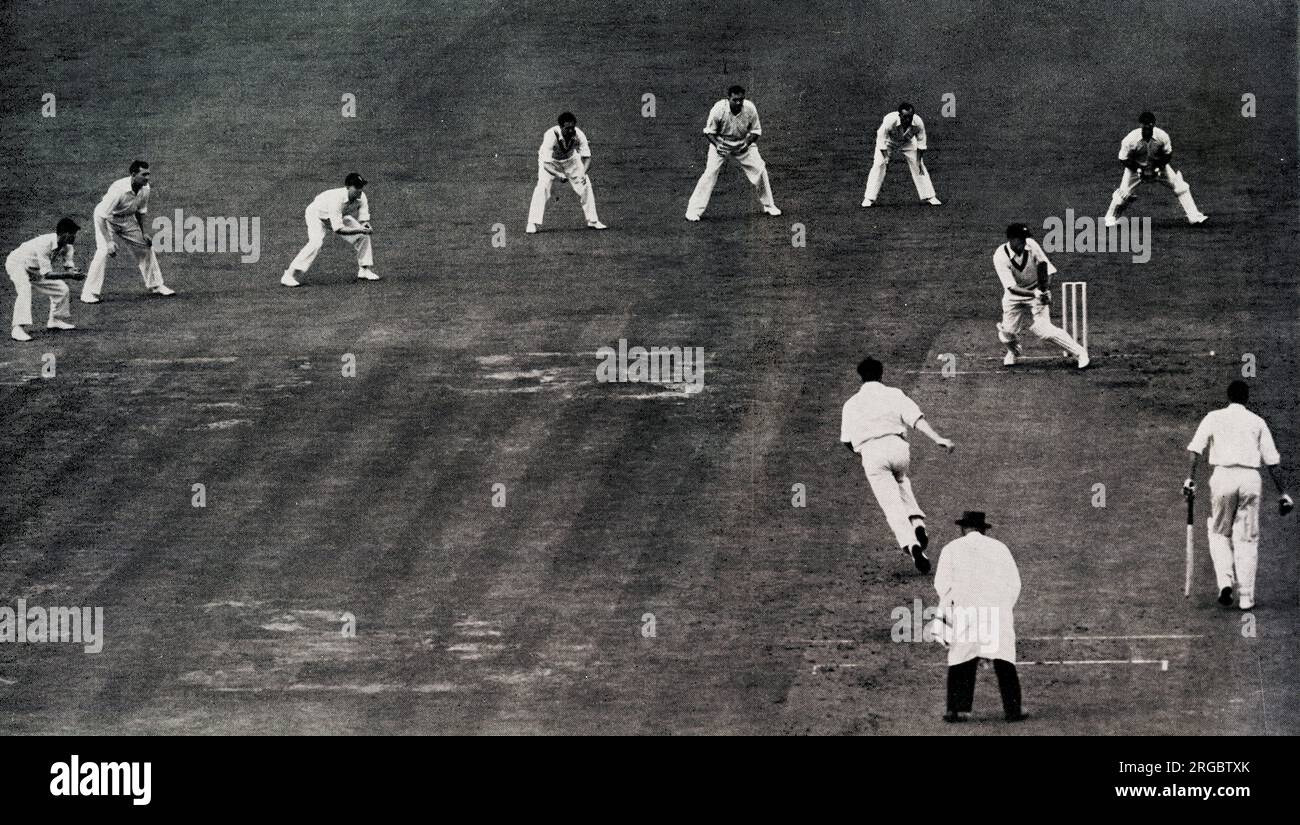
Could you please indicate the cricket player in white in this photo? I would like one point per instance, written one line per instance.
(1145, 153)
(29, 267)
(564, 155)
(901, 131)
(733, 130)
(120, 216)
(346, 212)
(874, 424)
(1239, 442)
(1025, 273)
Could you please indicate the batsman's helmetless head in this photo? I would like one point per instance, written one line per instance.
(67, 231)
(1148, 123)
(1238, 392)
(905, 112)
(139, 174)
(869, 369)
(355, 183)
(736, 97)
(568, 125)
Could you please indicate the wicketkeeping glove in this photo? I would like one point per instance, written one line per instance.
(1285, 505)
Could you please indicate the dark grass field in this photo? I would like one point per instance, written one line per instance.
(372, 495)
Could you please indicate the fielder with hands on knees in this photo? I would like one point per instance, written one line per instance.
(874, 425)
(1239, 441)
(732, 129)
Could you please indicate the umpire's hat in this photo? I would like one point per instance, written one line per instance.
(973, 519)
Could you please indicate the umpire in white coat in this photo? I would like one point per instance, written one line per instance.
(978, 585)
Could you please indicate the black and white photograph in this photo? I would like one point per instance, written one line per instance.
(650, 368)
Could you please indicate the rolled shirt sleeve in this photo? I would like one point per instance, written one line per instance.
(336, 213)
(1201, 440)
(713, 124)
(1267, 449)
(909, 411)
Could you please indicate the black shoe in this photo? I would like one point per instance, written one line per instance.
(922, 537)
(1019, 717)
(1225, 597)
(919, 557)
(954, 716)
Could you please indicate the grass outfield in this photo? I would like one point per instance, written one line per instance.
(372, 495)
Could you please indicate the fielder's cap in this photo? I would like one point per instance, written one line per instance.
(353, 179)
(1018, 230)
(1146, 119)
(972, 518)
(66, 225)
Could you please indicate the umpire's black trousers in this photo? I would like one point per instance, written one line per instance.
(961, 686)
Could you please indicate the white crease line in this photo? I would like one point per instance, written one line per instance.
(1112, 638)
(1164, 663)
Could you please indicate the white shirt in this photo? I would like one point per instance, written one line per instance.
(37, 255)
(332, 204)
(1135, 148)
(978, 586)
(556, 148)
(120, 202)
(1236, 438)
(1020, 271)
(732, 129)
(891, 130)
(876, 411)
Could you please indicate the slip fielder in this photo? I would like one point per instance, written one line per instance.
(29, 267)
(1239, 442)
(120, 216)
(874, 424)
(732, 130)
(564, 155)
(1025, 273)
(346, 212)
(901, 131)
(1145, 153)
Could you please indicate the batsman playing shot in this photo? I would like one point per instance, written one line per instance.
(1239, 441)
(874, 425)
(1025, 273)
(29, 267)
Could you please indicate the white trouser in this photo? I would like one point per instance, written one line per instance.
(920, 175)
(128, 234)
(56, 290)
(1124, 195)
(1035, 316)
(316, 229)
(574, 171)
(1233, 526)
(886, 461)
(750, 161)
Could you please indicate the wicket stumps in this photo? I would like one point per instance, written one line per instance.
(1074, 310)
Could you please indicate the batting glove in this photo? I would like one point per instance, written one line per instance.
(1285, 505)
(1189, 487)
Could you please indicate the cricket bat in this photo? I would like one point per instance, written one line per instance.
(1191, 547)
